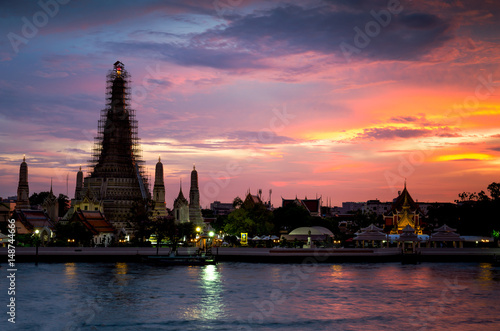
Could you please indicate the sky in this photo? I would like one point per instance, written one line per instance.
(342, 100)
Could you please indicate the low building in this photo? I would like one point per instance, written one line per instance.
(29, 221)
(371, 235)
(317, 233)
(313, 206)
(220, 208)
(4, 212)
(102, 230)
(446, 236)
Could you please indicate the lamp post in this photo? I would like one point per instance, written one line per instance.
(36, 245)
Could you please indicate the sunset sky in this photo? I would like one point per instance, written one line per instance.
(339, 99)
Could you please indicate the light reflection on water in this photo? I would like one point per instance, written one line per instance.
(241, 296)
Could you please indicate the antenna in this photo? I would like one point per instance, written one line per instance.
(67, 192)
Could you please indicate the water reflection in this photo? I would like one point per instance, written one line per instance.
(336, 271)
(70, 271)
(119, 282)
(485, 273)
(211, 305)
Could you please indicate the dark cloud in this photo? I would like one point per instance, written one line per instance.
(406, 133)
(247, 40)
(404, 119)
(264, 137)
(162, 82)
(392, 133)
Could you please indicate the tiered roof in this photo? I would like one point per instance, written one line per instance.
(32, 219)
(94, 221)
(445, 233)
(371, 232)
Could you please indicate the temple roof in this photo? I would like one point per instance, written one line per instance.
(33, 218)
(445, 233)
(408, 234)
(311, 205)
(371, 232)
(94, 221)
(404, 199)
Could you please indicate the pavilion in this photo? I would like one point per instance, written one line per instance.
(445, 234)
(408, 239)
(371, 234)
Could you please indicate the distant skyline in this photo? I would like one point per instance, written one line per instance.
(339, 99)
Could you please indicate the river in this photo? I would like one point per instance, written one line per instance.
(247, 296)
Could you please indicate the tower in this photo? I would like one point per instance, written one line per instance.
(159, 191)
(51, 205)
(181, 207)
(117, 176)
(79, 184)
(194, 200)
(23, 190)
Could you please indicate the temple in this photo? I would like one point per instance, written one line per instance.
(313, 206)
(405, 211)
(160, 209)
(23, 190)
(181, 208)
(194, 200)
(117, 177)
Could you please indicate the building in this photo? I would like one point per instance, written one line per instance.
(23, 190)
(28, 221)
(160, 209)
(4, 212)
(51, 205)
(194, 200)
(117, 177)
(377, 207)
(405, 211)
(102, 231)
(79, 184)
(313, 206)
(220, 208)
(181, 207)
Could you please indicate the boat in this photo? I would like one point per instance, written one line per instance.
(410, 257)
(200, 258)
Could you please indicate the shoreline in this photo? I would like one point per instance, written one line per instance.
(255, 255)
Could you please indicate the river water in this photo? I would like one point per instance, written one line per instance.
(245, 296)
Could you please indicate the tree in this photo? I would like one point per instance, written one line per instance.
(37, 199)
(291, 217)
(64, 204)
(74, 231)
(140, 219)
(494, 189)
(237, 202)
(207, 213)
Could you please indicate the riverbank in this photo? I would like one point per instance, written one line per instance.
(264, 255)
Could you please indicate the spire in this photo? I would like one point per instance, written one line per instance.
(80, 168)
(51, 185)
(23, 187)
(405, 184)
(159, 159)
(194, 168)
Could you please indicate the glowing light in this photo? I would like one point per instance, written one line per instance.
(468, 156)
(211, 233)
(198, 229)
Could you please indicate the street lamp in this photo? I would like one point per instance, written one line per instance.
(36, 245)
